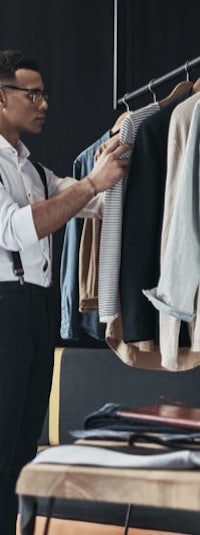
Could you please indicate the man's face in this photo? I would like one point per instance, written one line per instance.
(19, 112)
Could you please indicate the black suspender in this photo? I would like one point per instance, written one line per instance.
(43, 177)
(17, 263)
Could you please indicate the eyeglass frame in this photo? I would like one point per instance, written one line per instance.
(35, 94)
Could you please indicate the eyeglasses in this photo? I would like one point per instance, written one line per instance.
(36, 95)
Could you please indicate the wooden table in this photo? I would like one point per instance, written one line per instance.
(161, 488)
(172, 489)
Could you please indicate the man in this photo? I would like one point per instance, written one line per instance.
(27, 220)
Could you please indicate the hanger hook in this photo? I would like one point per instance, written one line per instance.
(125, 102)
(152, 91)
(187, 71)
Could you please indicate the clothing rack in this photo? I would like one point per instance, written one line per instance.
(153, 84)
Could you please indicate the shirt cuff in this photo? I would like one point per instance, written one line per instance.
(160, 305)
(24, 228)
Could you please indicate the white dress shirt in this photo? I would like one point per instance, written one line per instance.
(22, 186)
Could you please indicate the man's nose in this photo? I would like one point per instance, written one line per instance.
(43, 105)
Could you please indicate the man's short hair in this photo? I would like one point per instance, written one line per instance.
(12, 60)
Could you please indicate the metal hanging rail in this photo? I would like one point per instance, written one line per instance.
(153, 84)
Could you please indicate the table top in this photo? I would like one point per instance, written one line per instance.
(177, 489)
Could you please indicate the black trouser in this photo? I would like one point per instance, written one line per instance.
(26, 362)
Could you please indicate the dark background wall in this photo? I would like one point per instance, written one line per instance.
(155, 37)
(73, 40)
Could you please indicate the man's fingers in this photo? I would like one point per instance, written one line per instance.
(112, 145)
(123, 148)
(117, 148)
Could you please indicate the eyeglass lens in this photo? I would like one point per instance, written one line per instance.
(38, 95)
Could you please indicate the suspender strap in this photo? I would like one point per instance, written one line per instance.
(43, 177)
(17, 266)
(17, 263)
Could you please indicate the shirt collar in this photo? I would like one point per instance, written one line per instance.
(22, 152)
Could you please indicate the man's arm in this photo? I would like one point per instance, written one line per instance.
(50, 215)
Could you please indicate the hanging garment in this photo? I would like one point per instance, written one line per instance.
(138, 354)
(88, 264)
(178, 134)
(142, 223)
(110, 240)
(147, 354)
(178, 286)
(74, 324)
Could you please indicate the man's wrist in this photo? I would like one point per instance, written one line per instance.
(92, 184)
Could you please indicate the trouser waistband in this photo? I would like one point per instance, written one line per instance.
(26, 287)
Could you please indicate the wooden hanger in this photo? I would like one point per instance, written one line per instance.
(117, 124)
(176, 92)
(196, 86)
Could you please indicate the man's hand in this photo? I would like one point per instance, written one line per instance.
(110, 166)
(50, 215)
